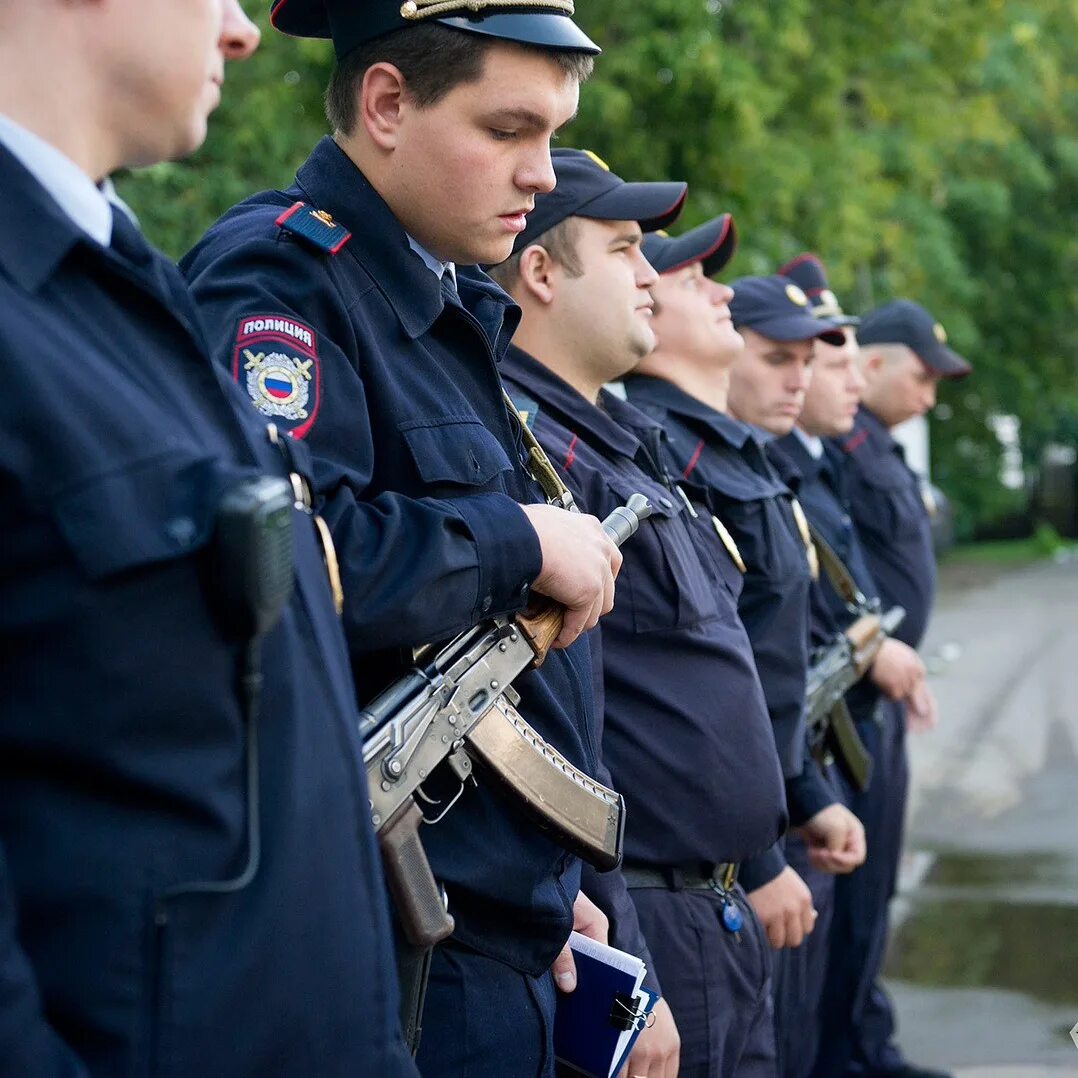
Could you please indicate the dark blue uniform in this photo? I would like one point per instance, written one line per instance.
(727, 463)
(122, 738)
(420, 469)
(855, 1023)
(889, 511)
(686, 735)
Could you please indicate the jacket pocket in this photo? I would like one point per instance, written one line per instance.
(148, 510)
(455, 450)
(663, 580)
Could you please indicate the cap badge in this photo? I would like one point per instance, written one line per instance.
(940, 333)
(795, 295)
(432, 9)
(598, 160)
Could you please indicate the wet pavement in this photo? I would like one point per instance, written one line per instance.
(983, 966)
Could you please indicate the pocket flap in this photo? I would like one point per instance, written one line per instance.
(455, 450)
(150, 510)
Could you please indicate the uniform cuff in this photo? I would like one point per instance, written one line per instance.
(807, 794)
(762, 868)
(508, 553)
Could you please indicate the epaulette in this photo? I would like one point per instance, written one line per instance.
(525, 407)
(315, 227)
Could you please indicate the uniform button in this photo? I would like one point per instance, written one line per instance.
(666, 503)
(486, 604)
(181, 530)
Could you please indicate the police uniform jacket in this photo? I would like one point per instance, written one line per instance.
(821, 489)
(122, 738)
(419, 465)
(725, 464)
(685, 735)
(889, 512)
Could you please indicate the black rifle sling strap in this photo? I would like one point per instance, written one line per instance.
(538, 464)
(841, 579)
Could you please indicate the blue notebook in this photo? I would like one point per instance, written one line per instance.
(596, 1026)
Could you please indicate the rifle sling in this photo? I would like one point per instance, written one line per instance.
(841, 579)
(538, 464)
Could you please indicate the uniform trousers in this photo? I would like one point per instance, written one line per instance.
(718, 984)
(799, 971)
(857, 1020)
(484, 1019)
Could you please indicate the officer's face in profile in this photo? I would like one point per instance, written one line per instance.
(461, 174)
(835, 389)
(606, 310)
(162, 64)
(768, 381)
(692, 317)
(898, 385)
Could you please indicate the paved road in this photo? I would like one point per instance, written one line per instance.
(984, 967)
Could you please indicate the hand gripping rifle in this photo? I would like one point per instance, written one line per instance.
(838, 666)
(458, 710)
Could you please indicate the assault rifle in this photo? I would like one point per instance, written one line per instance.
(838, 667)
(458, 710)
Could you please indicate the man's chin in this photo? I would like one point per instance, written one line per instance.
(493, 252)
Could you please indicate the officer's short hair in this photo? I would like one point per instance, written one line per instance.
(559, 242)
(433, 59)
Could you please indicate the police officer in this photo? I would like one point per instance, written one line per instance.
(903, 356)
(351, 314)
(700, 370)
(188, 879)
(686, 734)
(829, 409)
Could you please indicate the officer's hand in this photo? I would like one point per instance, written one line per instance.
(589, 921)
(922, 713)
(657, 1049)
(835, 839)
(580, 562)
(784, 907)
(897, 669)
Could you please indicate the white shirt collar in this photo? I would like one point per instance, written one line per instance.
(439, 269)
(70, 188)
(812, 443)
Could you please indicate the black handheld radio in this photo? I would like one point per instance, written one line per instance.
(254, 555)
(253, 575)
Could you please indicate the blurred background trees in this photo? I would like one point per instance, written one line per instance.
(923, 148)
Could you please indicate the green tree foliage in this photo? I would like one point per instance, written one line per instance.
(926, 149)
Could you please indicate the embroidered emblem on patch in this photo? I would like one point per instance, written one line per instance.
(276, 359)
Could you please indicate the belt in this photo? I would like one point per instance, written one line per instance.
(719, 878)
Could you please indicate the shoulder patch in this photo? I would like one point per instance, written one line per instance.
(276, 358)
(526, 407)
(315, 227)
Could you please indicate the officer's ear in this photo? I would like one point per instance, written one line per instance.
(383, 99)
(537, 273)
(872, 362)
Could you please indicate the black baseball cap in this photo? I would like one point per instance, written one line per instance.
(808, 273)
(712, 244)
(777, 308)
(587, 188)
(904, 322)
(350, 23)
